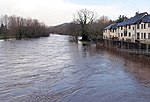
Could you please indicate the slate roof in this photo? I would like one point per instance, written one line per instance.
(146, 19)
(137, 18)
(108, 27)
(122, 23)
(133, 20)
(112, 26)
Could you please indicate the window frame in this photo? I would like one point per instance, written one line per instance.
(141, 26)
(148, 35)
(148, 24)
(138, 26)
(129, 34)
(144, 36)
(138, 35)
(144, 26)
(129, 26)
(141, 35)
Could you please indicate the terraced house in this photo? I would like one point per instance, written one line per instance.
(135, 29)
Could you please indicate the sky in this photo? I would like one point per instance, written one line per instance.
(55, 12)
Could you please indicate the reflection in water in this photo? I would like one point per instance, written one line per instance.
(140, 71)
(138, 66)
(56, 70)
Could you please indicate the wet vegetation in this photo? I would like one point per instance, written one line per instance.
(85, 23)
(21, 28)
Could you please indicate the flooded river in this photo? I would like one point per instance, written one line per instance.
(55, 70)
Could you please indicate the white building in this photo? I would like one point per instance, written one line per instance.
(136, 28)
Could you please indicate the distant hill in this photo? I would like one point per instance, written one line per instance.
(60, 29)
(96, 29)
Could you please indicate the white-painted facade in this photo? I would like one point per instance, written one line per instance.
(106, 33)
(143, 32)
(131, 32)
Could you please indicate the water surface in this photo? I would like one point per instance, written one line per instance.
(55, 70)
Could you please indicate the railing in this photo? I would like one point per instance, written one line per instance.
(140, 52)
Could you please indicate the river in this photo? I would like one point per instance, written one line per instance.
(53, 69)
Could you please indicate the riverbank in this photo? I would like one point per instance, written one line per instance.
(14, 37)
(2, 37)
(138, 49)
(125, 54)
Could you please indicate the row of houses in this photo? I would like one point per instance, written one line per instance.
(135, 29)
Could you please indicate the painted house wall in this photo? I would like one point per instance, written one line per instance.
(130, 30)
(121, 33)
(106, 33)
(143, 32)
(113, 33)
(109, 33)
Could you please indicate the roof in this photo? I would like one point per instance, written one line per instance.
(133, 20)
(137, 18)
(146, 19)
(112, 26)
(108, 27)
(122, 23)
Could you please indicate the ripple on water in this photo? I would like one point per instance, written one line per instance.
(55, 70)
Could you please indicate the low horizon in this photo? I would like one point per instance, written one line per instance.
(56, 12)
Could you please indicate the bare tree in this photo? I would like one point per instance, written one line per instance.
(96, 28)
(104, 19)
(4, 21)
(85, 18)
(74, 30)
(20, 27)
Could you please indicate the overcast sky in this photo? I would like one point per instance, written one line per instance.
(54, 12)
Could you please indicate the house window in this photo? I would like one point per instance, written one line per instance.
(121, 28)
(148, 35)
(144, 35)
(144, 26)
(141, 26)
(113, 30)
(141, 35)
(138, 26)
(118, 34)
(129, 26)
(125, 34)
(138, 35)
(121, 34)
(129, 34)
(148, 24)
(133, 28)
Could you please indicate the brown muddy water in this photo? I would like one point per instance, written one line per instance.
(55, 70)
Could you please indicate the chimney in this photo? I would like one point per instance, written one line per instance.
(137, 13)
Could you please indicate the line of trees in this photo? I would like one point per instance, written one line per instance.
(85, 24)
(21, 28)
(91, 27)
